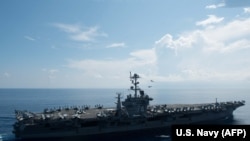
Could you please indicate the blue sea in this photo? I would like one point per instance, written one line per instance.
(36, 100)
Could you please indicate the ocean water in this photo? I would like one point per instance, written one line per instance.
(36, 100)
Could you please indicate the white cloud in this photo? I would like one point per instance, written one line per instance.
(89, 35)
(69, 28)
(225, 38)
(140, 58)
(222, 38)
(116, 45)
(211, 6)
(217, 53)
(6, 74)
(212, 19)
(29, 38)
(214, 6)
(146, 56)
(207, 54)
(51, 72)
(247, 10)
(80, 33)
(182, 42)
(116, 71)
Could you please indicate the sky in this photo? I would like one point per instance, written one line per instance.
(97, 43)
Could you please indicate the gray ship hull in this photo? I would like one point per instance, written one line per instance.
(140, 123)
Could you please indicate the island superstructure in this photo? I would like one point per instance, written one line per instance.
(133, 114)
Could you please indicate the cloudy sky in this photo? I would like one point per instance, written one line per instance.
(96, 43)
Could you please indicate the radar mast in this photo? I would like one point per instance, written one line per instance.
(133, 79)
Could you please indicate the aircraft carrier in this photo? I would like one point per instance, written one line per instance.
(133, 114)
